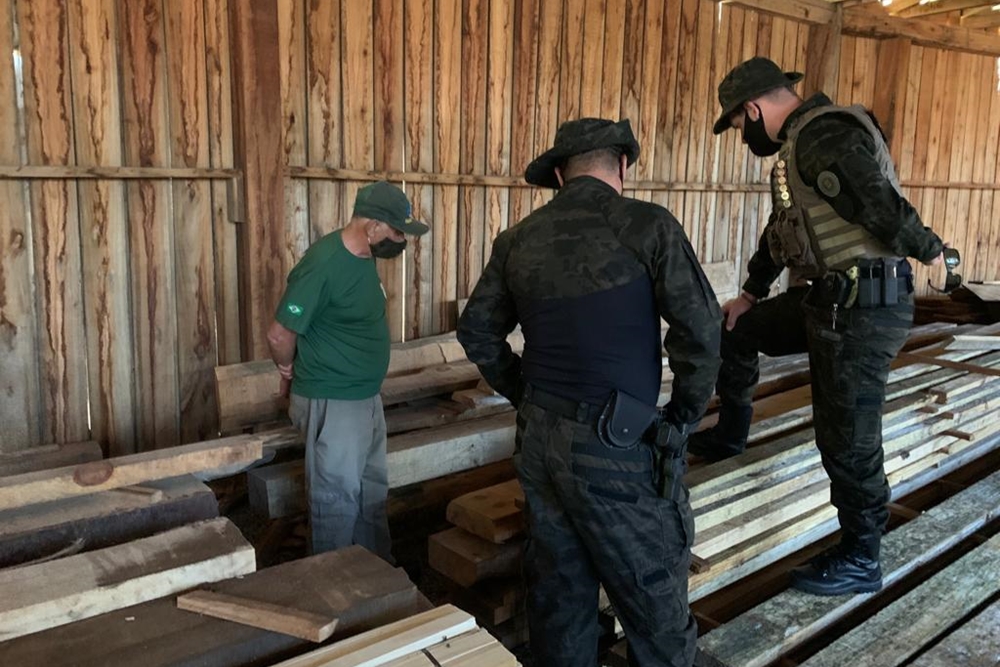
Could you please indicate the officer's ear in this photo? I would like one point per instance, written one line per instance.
(559, 176)
(752, 111)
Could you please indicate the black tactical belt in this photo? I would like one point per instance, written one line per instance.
(580, 411)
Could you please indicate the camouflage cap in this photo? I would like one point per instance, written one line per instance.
(579, 136)
(748, 80)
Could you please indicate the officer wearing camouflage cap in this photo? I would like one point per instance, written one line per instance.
(844, 229)
(588, 277)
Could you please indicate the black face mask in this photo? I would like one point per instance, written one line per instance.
(756, 136)
(387, 248)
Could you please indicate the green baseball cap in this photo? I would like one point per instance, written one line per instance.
(749, 80)
(580, 136)
(386, 203)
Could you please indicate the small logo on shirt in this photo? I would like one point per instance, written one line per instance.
(294, 309)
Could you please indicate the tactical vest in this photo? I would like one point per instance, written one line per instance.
(807, 234)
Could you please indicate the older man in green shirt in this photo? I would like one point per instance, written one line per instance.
(330, 341)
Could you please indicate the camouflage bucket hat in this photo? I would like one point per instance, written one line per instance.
(746, 81)
(579, 136)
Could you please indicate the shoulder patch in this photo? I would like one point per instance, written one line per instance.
(828, 184)
(294, 309)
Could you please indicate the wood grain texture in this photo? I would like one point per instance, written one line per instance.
(49, 130)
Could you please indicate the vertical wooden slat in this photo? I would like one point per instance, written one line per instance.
(631, 96)
(499, 86)
(357, 17)
(645, 125)
(922, 125)
(220, 127)
(292, 53)
(418, 21)
(699, 144)
(388, 137)
(325, 113)
(20, 408)
(147, 144)
(525, 102)
(102, 217)
(194, 275)
(447, 150)
(593, 36)
(571, 63)
(257, 146)
(891, 69)
(666, 100)
(472, 211)
(614, 48)
(686, 63)
(823, 58)
(55, 221)
(907, 135)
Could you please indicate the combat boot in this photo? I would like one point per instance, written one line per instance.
(849, 567)
(725, 439)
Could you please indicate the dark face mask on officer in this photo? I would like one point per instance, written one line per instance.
(755, 135)
(387, 248)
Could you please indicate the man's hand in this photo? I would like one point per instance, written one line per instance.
(733, 309)
(285, 370)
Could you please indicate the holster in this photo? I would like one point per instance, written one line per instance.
(669, 460)
(624, 420)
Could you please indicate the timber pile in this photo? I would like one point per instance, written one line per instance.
(977, 303)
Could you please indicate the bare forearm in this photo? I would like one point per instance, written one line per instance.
(282, 342)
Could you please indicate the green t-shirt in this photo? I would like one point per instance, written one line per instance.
(335, 303)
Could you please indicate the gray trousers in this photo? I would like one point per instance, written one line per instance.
(347, 481)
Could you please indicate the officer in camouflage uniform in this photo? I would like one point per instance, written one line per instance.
(588, 277)
(839, 221)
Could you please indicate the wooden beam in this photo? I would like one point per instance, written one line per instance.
(49, 456)
(862, 23)
(258, 614)
(938, 7)
(257, 145)
(808, 11)
(491, 513)
(957, 365)
(975, 343)
(823, 56)
(45, 485)
(71, 172)
(989, 21)
(892, 70)
(47, 595)
(467, 559)
(102, 520)
(973, 644)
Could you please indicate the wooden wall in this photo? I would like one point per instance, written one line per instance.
(118, 295)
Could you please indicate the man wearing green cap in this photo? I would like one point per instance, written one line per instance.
(588, 277)
(330, 341)
(844, 229)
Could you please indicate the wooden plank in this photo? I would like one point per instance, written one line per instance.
(499, 92)
(381, 645)
(47, 595)
(467, 559)
(97, 119)
(37, 487)
(762, 634)
(940, 7)
(220, 141)
(491, 513)
(863, 23)
(472, 206)
(418, 52)
(957, 365)
(893, 65)
(971, 342)
(151, 255)
(972, 645)
(20, 410)
(808, 11)
(49, 456)
(55, 234)
(524, 101)
(325, 130)
(350, 584)
(194, 283)
(102, 520)
(263, 615)
(900, 630)
(278, 490)
(257, 147)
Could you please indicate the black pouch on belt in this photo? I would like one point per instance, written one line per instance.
(624, 420)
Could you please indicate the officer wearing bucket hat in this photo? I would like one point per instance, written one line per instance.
(588, 277)
(841, 225)
(330, 341)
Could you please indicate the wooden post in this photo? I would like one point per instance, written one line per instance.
(258, 151)
(892, 72)
(823, 56)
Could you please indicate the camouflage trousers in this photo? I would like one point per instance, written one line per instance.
(850, 352)
(594, 518)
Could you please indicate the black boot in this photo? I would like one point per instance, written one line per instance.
(725, 439)
(849, 567)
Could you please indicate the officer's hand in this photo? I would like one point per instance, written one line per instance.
(935, 261)
(733, 309)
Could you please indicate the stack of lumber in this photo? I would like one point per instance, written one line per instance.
(440, 637)
(972, 303)
(257, 619)
(964, 628)
(480, 556)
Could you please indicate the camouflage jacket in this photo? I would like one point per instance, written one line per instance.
(588, 276)
(839, 143)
